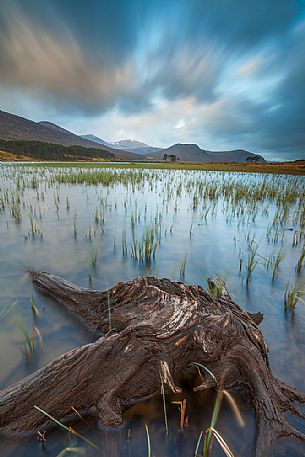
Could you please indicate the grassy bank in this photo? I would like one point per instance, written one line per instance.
(9, 157)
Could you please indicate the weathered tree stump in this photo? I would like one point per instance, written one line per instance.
(158, 328)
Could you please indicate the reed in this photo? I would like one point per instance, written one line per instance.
(278, 259)
(301, 260)
(35, 310)
(148, 442)
(65, 427)
(183, 267)
(198, 444)
(252, 263)
(208, 439)
(75, 227)
(182, 409)
(293, 295)
(71, 450)
(164, 408)
(221, 441)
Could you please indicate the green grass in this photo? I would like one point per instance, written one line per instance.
(293, 295)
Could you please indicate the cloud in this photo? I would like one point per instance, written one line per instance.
(227, 74)
(56, 66)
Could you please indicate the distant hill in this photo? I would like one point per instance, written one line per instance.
(133, 146)
(193, 153)
(14, 127)
(94, 138)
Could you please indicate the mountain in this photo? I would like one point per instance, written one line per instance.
(95, 139)
(133, 146)
(129, 144)
(20, 134)
(14, 127)
(193, 153)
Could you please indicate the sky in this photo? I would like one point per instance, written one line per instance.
(225, 74)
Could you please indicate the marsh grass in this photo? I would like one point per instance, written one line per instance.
(276, 264)
(293, 295)
(251, 264)
(29, 341)
(35, 310)
(148, 441)
(75, 227)
(199, 366)
(221, 441)
(68, 429)
(301, 260)
(72, 450)
(164, 408)
(208, 438)
(182, 409)
(183, 267)
(196, 453)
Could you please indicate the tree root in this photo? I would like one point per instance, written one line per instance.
(159, 327)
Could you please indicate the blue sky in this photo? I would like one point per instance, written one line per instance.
(223, 74)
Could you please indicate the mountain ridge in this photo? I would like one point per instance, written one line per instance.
(14, 128)
(129, 145)
(191, 152)
(17, 128)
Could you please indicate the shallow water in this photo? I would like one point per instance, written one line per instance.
(61, 236)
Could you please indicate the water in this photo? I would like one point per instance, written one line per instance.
(63, 225)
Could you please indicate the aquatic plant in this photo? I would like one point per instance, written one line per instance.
(182, 410)
(301, 260)
(68, 429)
(183, 267)
(148, 442)
(278, 259)
(164, 408)
(293, 295)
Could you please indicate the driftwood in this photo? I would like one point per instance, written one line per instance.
(158, 328)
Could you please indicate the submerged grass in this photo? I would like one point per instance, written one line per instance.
(221, 441)
(164, 408)
(301, 259)
(182, 409)
(68, 429)
(72, 450)
(148, 441)
(183, 267)
(208, 438)
(293, 295)
(276, 264)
